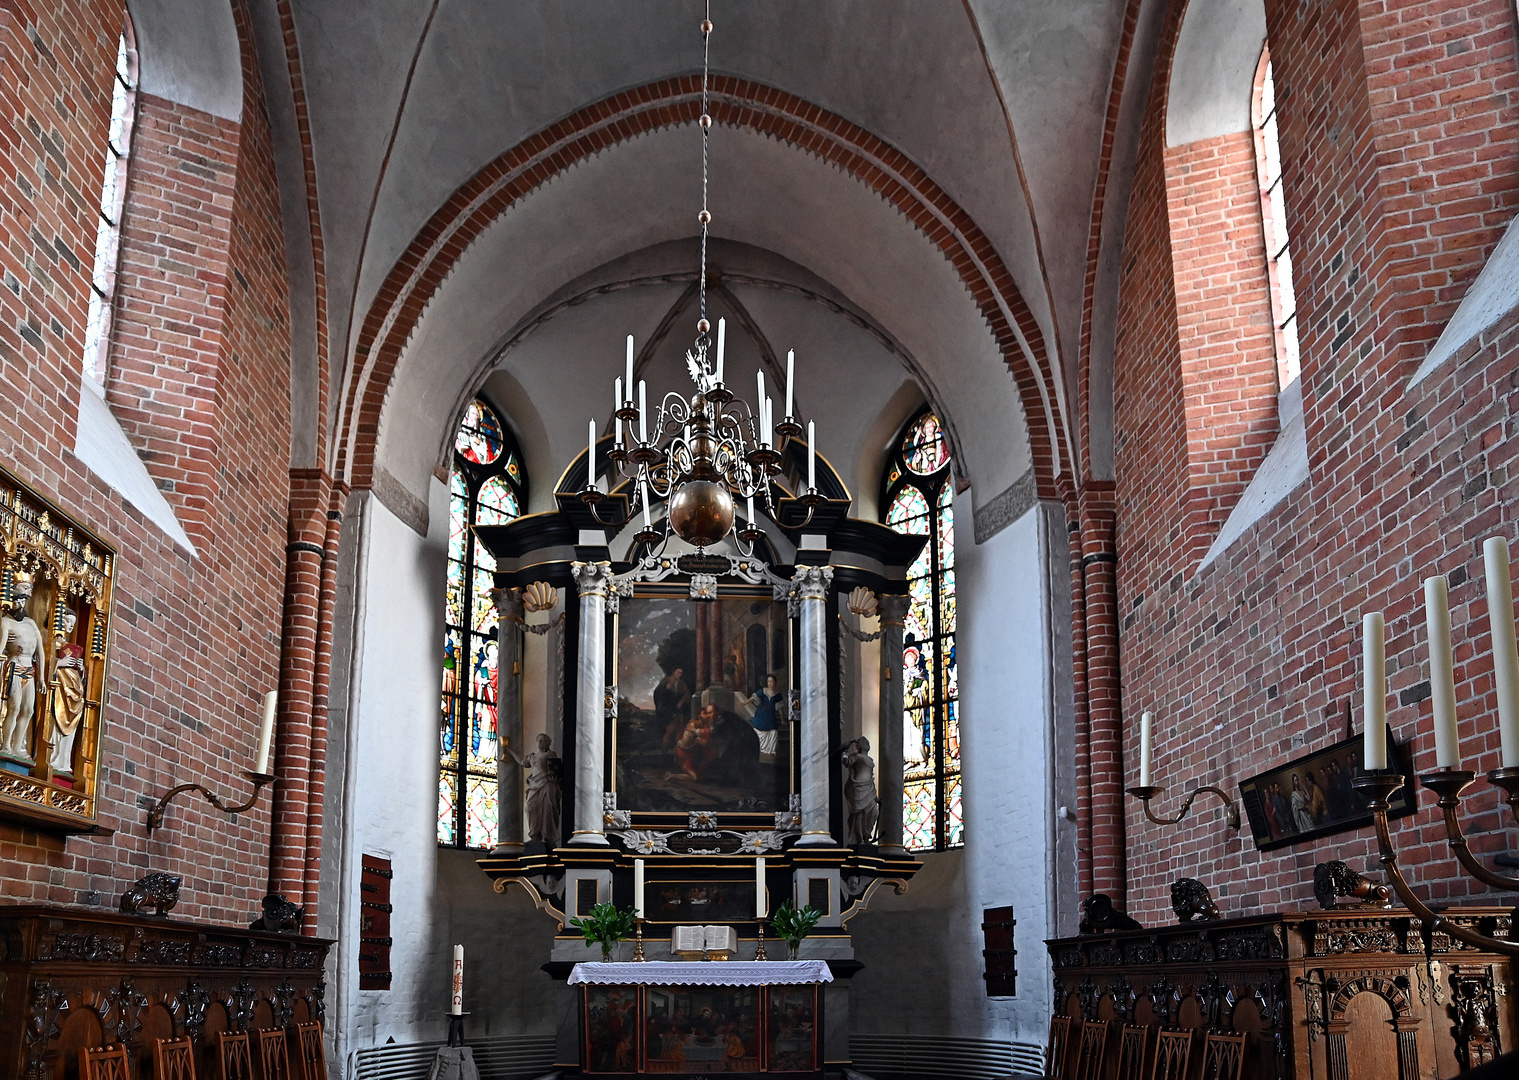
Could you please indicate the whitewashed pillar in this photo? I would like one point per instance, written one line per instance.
(893, 612)
(593, 580)
(811, 585)
(509, 805)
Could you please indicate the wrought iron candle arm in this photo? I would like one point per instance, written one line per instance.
(1379, 787)
(156, 811)
(1145, 792)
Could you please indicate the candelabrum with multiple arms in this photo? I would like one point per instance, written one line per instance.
(1448, 781)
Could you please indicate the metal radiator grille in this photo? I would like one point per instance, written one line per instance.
(923, 1056)
(504, 1057)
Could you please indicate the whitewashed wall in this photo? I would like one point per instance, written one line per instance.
(1009, 681)
(388, 808)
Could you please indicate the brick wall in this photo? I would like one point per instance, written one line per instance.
(203, 333)
(1399, 148)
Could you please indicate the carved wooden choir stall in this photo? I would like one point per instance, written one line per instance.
(1309, 995)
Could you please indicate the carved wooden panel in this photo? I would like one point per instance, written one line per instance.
(73, 978)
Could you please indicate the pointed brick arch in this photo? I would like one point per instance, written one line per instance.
(414, 280)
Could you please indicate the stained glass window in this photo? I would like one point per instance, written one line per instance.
(113, 189)
(1268, 162)
(488, 487)
(919, 494)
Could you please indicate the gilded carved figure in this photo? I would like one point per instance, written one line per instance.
(21, 662)
(68, 694)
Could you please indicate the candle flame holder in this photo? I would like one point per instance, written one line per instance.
(156, 811)
(1145, 792)
(638, 941)
(1448, 784)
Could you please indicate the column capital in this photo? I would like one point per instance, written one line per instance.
(812, 582)
(591, 578)
(892, 608)
(508, 603)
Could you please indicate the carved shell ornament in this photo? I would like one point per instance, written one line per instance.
(540, 596)
(862, 602)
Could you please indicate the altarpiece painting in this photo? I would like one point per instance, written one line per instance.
(703, 721)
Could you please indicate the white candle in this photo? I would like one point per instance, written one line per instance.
(638, 888)
(266, 734)
(750, 507)
(617, 404)
(643, 491)
(812, 460)
(790, 379)
(643, 412)
(769, 426)
(1374, 691)
(759, 399)
(590, 459)
(1500, 614)
(1146, 750)
(761, 909)
(457, 1007)
(1442, 681)
(722, 341)
(630, 367)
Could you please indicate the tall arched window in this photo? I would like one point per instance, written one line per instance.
(488, 487)
(97, 332)
(1268, 167)
(919, 495)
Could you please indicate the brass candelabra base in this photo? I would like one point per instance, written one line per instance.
(156, 811)
(759, 948)
(1145, 792)
(638, 942)
(1448, 784)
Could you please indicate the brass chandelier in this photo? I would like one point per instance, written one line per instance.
(702, 453)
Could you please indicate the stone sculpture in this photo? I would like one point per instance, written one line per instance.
(864, 808)
(68, 694)
(545, 790)
(21, 659)
(280, 916)
(157, 891)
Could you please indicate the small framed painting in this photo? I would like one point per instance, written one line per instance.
(1311, 796)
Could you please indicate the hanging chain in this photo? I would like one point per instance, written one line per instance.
(705, 217)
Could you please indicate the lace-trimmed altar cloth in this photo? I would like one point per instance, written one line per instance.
(702, 973)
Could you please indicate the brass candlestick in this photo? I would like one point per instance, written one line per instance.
(1145, 792)
(1448, 784)
(156, 811)
(638, 941)
(759, 949)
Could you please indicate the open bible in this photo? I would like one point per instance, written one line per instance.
(698, 939)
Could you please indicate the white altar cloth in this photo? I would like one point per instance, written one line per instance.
(702, 973)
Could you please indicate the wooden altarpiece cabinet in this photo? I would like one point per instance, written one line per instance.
(71, 978)
(1321, 995)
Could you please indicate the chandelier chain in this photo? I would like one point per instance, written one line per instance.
(706, 128)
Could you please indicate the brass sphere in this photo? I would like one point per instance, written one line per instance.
(702, 326)
(706, 121)
(704, 217)
(701, 512)
(706, 26)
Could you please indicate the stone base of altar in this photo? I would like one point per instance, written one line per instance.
(72, 977)
(1320, 995)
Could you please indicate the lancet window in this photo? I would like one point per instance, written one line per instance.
(487, 487)
(1268, 164)
(97, 332)
(919, 494)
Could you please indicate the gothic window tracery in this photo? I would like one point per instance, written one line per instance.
(487, 487)
(918, 495)
(113, 189)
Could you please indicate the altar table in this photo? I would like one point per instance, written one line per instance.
(739, 1018)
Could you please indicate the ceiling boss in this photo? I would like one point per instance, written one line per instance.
(703, 453)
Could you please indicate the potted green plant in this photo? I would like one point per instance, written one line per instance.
(791, 925)
(606, 925)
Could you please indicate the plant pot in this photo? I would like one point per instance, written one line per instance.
(606, 954)
(792, 949)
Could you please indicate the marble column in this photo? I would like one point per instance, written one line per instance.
(812, 583)
(893, 612)
(593, 580)
(509, 805)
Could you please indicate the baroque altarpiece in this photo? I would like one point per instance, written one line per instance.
(700, 725)
(55, 591)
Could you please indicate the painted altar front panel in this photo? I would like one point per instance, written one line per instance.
(702, 717)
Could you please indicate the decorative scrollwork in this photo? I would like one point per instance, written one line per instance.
(42, 1027)
(191, 1003)
(120, 1009)
(283, 1004)
(240, 1002)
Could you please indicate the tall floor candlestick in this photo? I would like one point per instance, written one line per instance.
(1374, 690)
(1500, 614)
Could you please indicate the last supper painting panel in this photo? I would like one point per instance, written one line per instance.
(703, 717)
